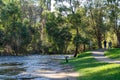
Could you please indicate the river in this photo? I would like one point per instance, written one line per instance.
(35, 67)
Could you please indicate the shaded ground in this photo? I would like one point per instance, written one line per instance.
(35, 67)
(99, 55)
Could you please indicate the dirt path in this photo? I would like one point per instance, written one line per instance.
(66, 72)
(99, 55)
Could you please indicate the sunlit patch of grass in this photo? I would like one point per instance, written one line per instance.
(113, 53)
(91, 69)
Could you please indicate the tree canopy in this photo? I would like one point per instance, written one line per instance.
(30, 26)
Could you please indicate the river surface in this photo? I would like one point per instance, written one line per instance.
(35, 67)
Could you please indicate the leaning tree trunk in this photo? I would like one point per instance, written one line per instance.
(76, 49)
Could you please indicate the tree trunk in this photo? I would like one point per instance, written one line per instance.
(118, 39)
(76, 51)
(84, 47)
(99, 39)
(99, 43)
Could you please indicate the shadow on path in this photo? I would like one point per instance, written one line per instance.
(99, 55)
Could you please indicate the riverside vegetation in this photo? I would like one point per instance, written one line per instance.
(39, 27)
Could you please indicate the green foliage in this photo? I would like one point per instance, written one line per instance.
(59, 35)
(25, 26)
(74, 19)
(17, 32)
(25, 36)
(78, 40)
(10, 10)
(63, 39)
(1, 37)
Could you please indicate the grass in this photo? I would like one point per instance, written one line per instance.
(113, 53)
(91, 69)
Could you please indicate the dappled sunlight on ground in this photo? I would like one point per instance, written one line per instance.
(99, 55)
(52, 75)
(92, 69)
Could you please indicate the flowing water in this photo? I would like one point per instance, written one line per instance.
(34, 67)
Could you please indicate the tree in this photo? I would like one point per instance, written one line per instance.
(96, 23)
(60, 35)
(73, 17)
(75, 20)
(113, 11)
(16, 34)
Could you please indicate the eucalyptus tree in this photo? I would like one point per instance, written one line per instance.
(113, 11)
(44, 8)
(16, 34)
(84, 27)
(97, 28)
(58, 33)
(30, 11)
(69, 8)
(34, 11)
(9, 18)
(77, 19)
